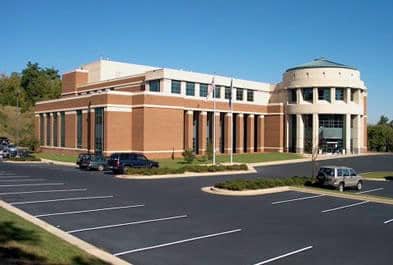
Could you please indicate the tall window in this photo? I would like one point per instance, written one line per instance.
(154, 85)
(339, 93)
(217, 91)
(42, 128)
(175, 86)
(353, 92)
(307, 94)
(250, 95)
(239, 93)
(55, 129)
(190, 89)
(228, 92)
(324, 94)
(203, 90)
(62, 129)
(48, 130)
(99, 130)
(79, 128)
(292, 96)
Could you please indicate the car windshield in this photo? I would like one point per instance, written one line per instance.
(326, 171)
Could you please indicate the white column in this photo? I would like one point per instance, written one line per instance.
(356, 134)
(348, 133)
(315, 132)
(299, 134)
(287, 132)
(299, 96)
(315, 95)
(347, 95)
(333, 95)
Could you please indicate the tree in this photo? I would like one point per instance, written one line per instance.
(383, 120)
(380, 138)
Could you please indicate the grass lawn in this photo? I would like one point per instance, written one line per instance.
(22, 242)
(379, 174)
(237, 158)
(57, 157)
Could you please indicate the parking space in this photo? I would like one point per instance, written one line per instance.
(173, 222)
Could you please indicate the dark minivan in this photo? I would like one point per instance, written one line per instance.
(120, 162)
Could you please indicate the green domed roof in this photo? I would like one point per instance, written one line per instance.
(321, 63)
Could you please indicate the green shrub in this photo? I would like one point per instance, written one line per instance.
(209, 151)
(27, 158)
(188, 155)
(260, 183)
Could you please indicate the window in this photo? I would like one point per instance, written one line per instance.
(353, 173)
(154, 85)
(190, 89)
(99, 130)
(48, 131)
(339, 172)
(346, 172)
(79, 128)
(239, 93)
(217, 91)
(250, 95)
(42, 128)
(292, 96)
(353, 92)
(141, 157)
(339, 93)
(308, 94)
(175, 87)
(324, 94)
(228, 92)
(55, 129)
(62, 129)
(203, 90)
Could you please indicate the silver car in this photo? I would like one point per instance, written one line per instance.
(339, 177)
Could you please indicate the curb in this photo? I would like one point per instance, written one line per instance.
(218, 191)
(189, 174)
(375, 179)
(92, 250)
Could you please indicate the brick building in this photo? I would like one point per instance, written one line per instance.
(109, 107)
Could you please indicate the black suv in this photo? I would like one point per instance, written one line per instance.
(120, 162)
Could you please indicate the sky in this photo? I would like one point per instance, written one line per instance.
(255, 40)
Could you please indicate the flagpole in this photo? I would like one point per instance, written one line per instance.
(231, 111)
(214, 122)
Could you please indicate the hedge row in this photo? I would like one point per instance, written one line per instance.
(253, 184)
(198, 169)
(26, 158)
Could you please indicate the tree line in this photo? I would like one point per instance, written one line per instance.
(34, 83)
(380, 135)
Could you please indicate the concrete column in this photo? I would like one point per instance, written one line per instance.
(218, 130)
(59, 129)
(228, 133)
(348, 133)
(333, 95)
(315, 95)
(261, 133)
(356, 134)
(188, 129)
(44, 127)
(299, 96)
(239, 133)
(202, 132)
(51, 129)
(250, 133)
(315, 132)
(299, 134)
(347, 96)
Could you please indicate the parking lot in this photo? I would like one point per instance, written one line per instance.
(172, 222)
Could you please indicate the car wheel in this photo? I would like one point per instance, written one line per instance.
(341, 187)
(125, 169)
(100, 168)
(359, 186)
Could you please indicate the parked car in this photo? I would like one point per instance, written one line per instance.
(96, 162)
(4, 141)
(12, 150)
(121, 162)
(339, 177)
(81, 156)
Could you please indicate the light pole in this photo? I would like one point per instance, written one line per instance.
(17, 119)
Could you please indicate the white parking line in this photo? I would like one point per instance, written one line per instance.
(298, 199)
(39, 191)
(90, 211)
(124, 224)
(284, 255)
(367, 191)
(63, 199)
(31, 184)
(345, 206)
(12, 176)
(20, 180)
(388, 221)
(176, 242)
